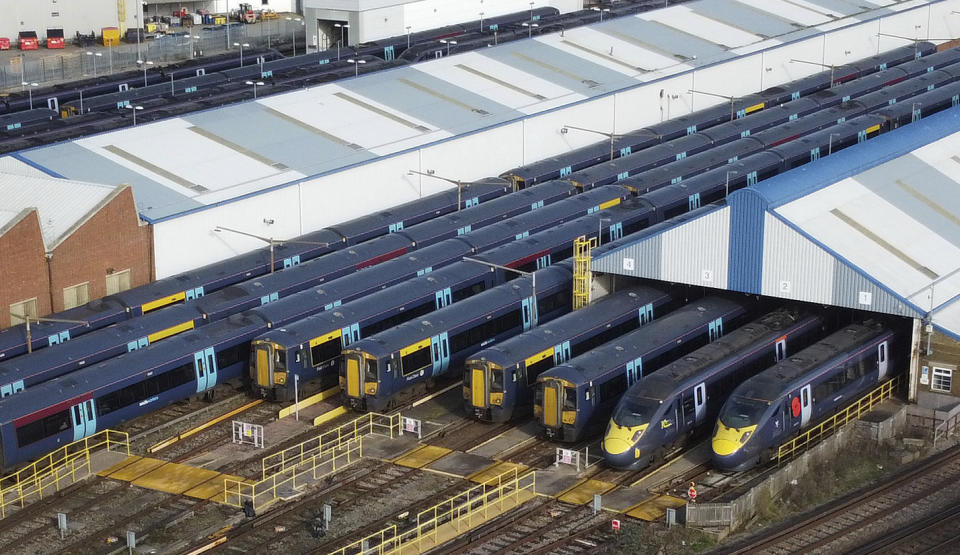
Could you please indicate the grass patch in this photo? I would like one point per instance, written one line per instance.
(640, 538)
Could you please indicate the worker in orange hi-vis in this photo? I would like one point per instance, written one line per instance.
(692, 492)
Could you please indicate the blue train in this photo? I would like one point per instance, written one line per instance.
(192, 285)
(658, 414)
(388, 368)
(306, 348)
(575, 399)
(498, 381)
(28, 370)
(625, 144)
(780, 402)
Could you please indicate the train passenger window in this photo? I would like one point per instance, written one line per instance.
(30, 433)
(688, 408)
(496, 380)
(803, 394)
(325, 352)
(569, 399)
(413, 362)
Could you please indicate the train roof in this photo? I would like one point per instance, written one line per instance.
(388, 341)
(687, 371)
(651, 338)
(596, 314)
(790, 373)
(126, 366)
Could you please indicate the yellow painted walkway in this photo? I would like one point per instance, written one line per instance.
(583, 493)
(656, 508)
(170, 477)
(422, 456)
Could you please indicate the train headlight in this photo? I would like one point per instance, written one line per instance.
(745, 437)
(637, 435)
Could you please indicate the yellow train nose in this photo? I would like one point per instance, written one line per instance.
(724, 446)
(615, 445)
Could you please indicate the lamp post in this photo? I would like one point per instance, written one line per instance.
(531, 275)
(531, 11)
(141, 27)
(293, 32)
(26, 320)
(255, 85)
(732, 99)
(613, 136)
(134, 108)
(529, 27)
(95, 56)
(110, 55)
(601, 10)
(144, 65)
(356, 66)
(273, 242)
(408, 36)
(30, 91)
(831, 67)
(193, 48)
(457, 182)
(343, 26)
(448, 43)
(241, 45)
(726, 187)
(481, 22)
(830, 143)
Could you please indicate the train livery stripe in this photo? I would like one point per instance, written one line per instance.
(415, 347)
(610, 203)
(172, 330)
(64, 405)
(754, 108)
(538, 357)
(382, 258)
(873, 128)
(169, 299)
(324, 338)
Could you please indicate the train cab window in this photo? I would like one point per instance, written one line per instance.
(688, 408)
(569, 399)
(279, 360)
(740, 412)
(370, 373)
(325, 352)
(496, 380)
(538, 396)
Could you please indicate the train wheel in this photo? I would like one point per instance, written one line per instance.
(658, 457)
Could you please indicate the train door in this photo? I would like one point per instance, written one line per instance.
(715, 329)
(634, 371)
(264, 368)
(205, 368)
(780, 349)
(805, 405)
(700, 402)
(440, 351)
(528, 313)
(561, 353)
(84, 419)
(443, 297)
(551, 404)
(882, 359)
(478, 390)
(349, 334)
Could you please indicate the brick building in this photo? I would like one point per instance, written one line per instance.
(64, 242)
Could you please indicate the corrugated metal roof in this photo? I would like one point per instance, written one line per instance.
(204, 158)
(60, 203)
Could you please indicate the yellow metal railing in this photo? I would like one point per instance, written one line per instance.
(581, 271)
(452, 517)
(370, 423)
(58, 469)
(272, 488)
(854, 411)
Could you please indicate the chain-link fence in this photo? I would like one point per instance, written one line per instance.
(86, 63)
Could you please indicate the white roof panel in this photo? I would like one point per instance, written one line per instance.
(685, 19)
(10, 164)
(60, 204)
(805, 15)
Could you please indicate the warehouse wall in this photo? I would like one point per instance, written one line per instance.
(24, 273)
(70, 15)
(335, 197)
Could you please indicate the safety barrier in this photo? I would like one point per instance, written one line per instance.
(449, 519)
(58, 469)
(287, 481)
(581, 271)
(710, 515)
(370, 423)
(854, 411)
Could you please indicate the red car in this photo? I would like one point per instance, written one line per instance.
(29, 41)
(54, 38)
(4, 43)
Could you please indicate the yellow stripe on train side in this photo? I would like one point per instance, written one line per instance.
(610, 203)
(538, 357)
(873, 128)
(415, 347)
(172, 330)
(754, 108)
(170, 299)
(324, 338)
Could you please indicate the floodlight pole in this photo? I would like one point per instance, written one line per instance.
(38, 320)
(728, 97)
(457, 182)
(270, 240)
(613, 136)
(524, 273)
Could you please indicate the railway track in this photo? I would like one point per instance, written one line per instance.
(874, 516)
